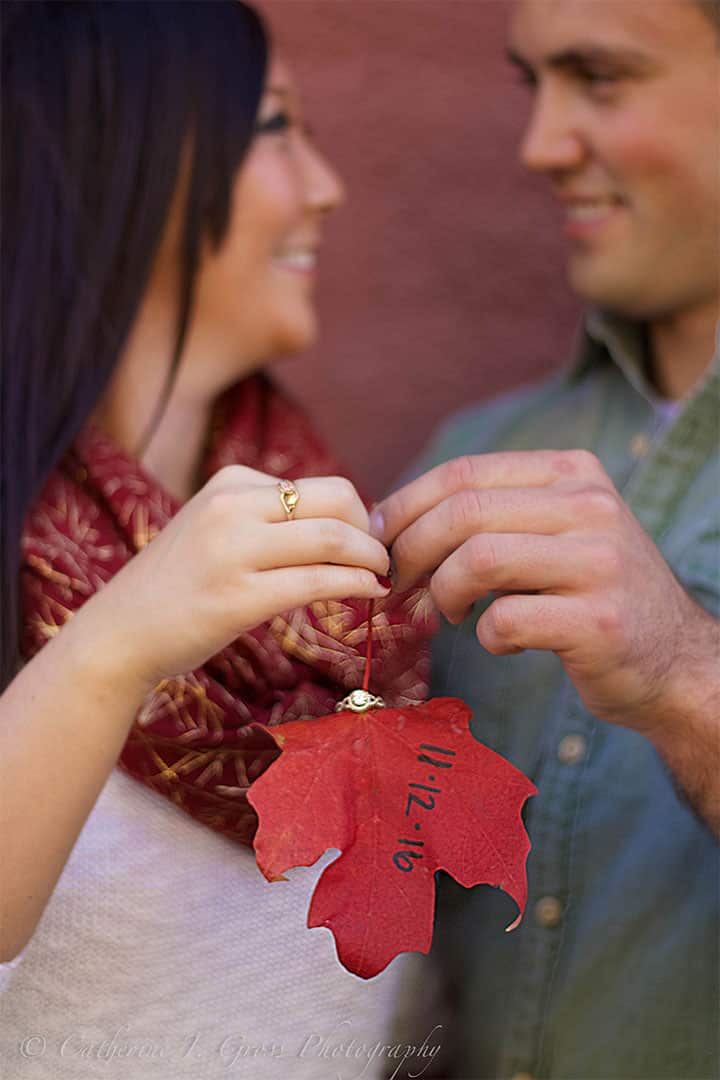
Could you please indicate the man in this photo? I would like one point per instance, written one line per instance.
(582, 555)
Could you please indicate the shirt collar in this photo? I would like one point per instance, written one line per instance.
(611, 338)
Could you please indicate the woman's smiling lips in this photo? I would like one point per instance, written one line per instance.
(297, 260)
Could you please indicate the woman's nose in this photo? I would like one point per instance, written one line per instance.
(324, 189)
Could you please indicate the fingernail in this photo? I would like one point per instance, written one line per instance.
(377, 523)
(384, 581)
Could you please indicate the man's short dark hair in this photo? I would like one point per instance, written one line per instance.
(711, 9)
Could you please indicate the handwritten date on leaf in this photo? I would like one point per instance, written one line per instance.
(402, 793)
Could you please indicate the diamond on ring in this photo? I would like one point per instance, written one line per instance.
(359, 701)
(289, 497)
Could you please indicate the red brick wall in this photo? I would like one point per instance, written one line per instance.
(442, 277)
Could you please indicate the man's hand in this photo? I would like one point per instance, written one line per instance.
(573, 572)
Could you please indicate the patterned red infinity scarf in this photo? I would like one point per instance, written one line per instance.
(199, 739)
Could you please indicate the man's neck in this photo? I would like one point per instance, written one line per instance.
(682, 348)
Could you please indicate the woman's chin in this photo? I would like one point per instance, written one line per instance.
(295, 335)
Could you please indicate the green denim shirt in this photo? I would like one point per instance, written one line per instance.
(614, 971)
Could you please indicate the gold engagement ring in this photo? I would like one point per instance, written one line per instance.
(289, 497)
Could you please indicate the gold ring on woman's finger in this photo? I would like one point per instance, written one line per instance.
(289, 497)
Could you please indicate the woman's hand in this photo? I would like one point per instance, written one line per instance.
(228, 561)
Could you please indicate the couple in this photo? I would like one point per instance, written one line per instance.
(162, 206)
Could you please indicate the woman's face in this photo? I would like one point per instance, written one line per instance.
(254, 297)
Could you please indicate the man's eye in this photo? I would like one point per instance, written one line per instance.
(599, 78)
(278, 122)
(526, 78)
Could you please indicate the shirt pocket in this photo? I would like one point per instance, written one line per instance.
(697, 565)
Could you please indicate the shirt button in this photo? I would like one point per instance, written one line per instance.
(548, 912)
(572, 749)
(639, 445)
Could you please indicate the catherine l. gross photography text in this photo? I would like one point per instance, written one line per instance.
(351, 1056)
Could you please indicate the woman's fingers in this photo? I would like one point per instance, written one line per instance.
(252, 530)
(323, 497)
(319, 496)
(319, 540)
(292, 587)
(231, 559)
(234, 477)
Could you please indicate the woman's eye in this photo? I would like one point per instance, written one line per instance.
(278, 122)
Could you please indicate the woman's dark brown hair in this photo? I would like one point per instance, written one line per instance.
(99, 99)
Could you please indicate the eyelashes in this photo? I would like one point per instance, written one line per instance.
(278, 122)
(584, 76)
(282, 122)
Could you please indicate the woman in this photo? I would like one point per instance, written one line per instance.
(162, 213)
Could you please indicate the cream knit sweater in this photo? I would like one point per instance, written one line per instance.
(164, 954)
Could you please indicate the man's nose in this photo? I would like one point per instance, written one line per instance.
(552, 141)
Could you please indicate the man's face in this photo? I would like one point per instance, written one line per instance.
(626, 125)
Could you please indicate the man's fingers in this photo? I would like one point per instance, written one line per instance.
(492, 562)
(520, 468)
(514, 623)
(427, 542)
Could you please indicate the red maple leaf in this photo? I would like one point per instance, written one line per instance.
(402, 793)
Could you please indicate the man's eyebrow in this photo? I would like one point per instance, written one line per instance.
(586, 54)
(517, 60)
